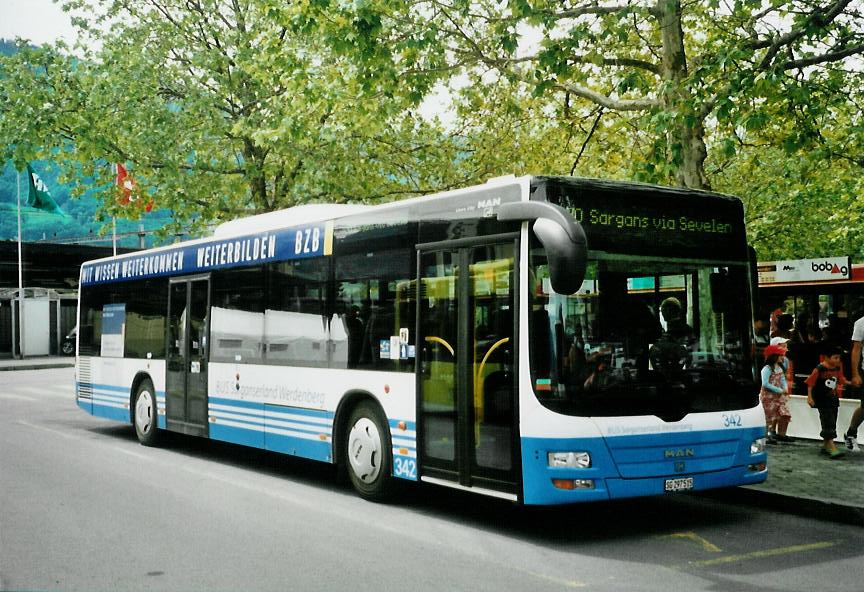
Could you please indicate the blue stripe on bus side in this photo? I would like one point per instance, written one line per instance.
(278, 408)
(255, 424)
(404, 442)
(237, 435)
(248, 424)
(276, 417)
(114, 388)
(101, 410)
(107, 399)
(312, 440)
(235, 403)
(311, 449)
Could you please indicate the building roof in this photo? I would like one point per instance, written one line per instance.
(47, 265)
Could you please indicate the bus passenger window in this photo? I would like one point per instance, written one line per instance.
(295, 319)
(373, 303)
(237, 315)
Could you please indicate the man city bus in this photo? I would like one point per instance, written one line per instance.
(546, 340)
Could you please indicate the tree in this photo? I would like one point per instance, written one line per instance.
(682, 77)
(217, 107)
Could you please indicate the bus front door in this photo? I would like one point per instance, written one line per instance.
(186, 364)
(466, 379)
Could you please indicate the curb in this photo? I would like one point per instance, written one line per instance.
(821, 509)
(36, 367)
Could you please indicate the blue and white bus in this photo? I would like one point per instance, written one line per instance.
(546, 340)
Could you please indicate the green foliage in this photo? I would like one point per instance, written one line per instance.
(685, 93)
(221, 108)
(798, 207)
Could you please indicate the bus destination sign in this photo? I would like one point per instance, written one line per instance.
(668, 222)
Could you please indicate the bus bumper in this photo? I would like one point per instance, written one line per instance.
(603, 480)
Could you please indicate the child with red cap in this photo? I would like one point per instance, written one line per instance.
(775, 395)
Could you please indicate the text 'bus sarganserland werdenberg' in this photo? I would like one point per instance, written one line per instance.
(540, 339)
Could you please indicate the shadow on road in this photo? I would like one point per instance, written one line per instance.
(656, 530)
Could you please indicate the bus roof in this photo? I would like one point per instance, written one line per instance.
(307, 214)
(310, 214)
(286, 218)
(632, 187)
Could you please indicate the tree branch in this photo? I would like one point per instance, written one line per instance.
(583, 11)
(587, 139)
(819, 18)
(607, 102)
(824, 58)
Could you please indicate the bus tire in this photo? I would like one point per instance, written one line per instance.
(367, 452)
(145, 414)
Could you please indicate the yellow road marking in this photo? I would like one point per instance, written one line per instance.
(764, 553)
(692, 536)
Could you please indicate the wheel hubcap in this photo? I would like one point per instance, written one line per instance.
(144, 412)
(364, 450)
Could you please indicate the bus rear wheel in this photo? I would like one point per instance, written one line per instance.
(146, 422)
(367, 452)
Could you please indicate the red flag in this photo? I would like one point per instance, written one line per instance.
(125, 184)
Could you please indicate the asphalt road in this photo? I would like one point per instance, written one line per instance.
(84, 507)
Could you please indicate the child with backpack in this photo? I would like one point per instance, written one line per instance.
(823, 393)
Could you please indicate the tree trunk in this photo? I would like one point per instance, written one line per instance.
(255, 175)
(686, 137)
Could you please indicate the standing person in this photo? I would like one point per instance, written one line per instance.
(785, 324)
(851, 435)
(761, 336)
(775, 395)
(822, 393)
(786, 361)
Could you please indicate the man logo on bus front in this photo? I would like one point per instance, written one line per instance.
(679, 453)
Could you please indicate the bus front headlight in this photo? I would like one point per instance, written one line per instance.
(757, 446)
(569, 460)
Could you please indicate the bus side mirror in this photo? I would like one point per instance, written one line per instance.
(562, 237)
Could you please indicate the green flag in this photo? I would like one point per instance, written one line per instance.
(39, 197)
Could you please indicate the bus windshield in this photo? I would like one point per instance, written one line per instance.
(642, 336)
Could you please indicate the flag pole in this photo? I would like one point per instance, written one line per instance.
(20, 274)
(114, 218)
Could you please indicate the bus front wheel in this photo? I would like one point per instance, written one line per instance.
(367, 453)
(146, 414)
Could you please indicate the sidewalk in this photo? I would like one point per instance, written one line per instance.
(803, 481)
(37, 363)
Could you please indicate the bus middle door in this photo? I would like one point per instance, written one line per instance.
(186, 363)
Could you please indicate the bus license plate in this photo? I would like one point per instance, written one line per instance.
(682, 484)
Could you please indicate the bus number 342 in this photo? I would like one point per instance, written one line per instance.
(733, 420)
(307, 241)
(405, 468)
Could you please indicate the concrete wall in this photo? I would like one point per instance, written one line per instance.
(805, 421)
